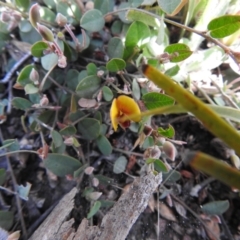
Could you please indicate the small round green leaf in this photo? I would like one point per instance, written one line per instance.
(57, 138)
(171, 7)
(61, 165)
(178, 51)
(102, 5)
(21, 103)
(49, 60)
(94, 209)
(104, 145)
(216, 207)
(116, 27)
(89, 128)
(37, 49)
(50, 3)
(72, 79)
(122, 15)
(91, 69)
(155, 100)
(107, 93)
(23, 77)
(172, 71)
(92, 20)
(115, 65)
(115, 48)
(47, 14)
(137, 34)
(25, 26)
(88, 86)
(136, 89)
(160, 166)
(171, 177)
(30, 89)
(224, 26)
(68, 131)
(120, 165)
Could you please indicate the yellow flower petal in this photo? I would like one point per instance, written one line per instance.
(114, 114)
(127, 106)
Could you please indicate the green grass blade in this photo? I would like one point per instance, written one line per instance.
(214, 167)
(210, 119)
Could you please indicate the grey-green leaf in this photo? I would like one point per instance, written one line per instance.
(57, 138)
(89, 128)
(21, 103)
(216, 207)
(107, 93)
(137, 34)
(115, 48)
(61, 165)
(88, 86)
(104, 145)
(92, 20)
(94, 209)
(116, 64)
(120, 165)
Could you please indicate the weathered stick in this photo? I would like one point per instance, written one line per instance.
(115, 225)
(53, 226)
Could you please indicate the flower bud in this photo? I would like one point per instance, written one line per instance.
(95, 182)
(69, 141)
(94, 195)
(34, 76)
(170, 150)
(44, 101)
(89, 170)
(45, 32)
(62, 61)
(34, 15)
(61, 20)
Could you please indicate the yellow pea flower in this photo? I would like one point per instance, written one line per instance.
(123, 110)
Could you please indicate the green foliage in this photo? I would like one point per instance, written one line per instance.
(216, 207)
(120, 165)
(61, 165)
(94, 209)
(38, 48)
(104, 145)
(115, 65)
(137, 34)
(21, 103)
(179, 52)
(92, 20)
(168, 132)
(89, 128)
(96, 53)
(88, 86)
(154, 100)
(224, 26)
